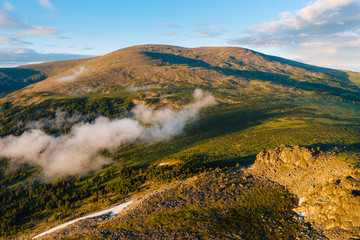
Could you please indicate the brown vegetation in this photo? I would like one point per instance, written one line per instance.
(162, 65)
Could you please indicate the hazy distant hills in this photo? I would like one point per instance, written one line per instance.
(176, 66)
(15, 78)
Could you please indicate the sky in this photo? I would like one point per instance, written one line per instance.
(320, 32)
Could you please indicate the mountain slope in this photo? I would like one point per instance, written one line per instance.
(216, 205)
(262, 102)
(176, 66)
(12, 79)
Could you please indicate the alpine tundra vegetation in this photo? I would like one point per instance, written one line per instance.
(207, 143)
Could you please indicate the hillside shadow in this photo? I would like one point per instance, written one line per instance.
(214, 126)
(337, 73)
(12, 79)
(231, 162)
(328, 71)
(351, 95)
(331, 146)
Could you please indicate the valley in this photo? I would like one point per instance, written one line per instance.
(190, 161)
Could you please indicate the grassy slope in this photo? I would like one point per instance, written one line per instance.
(230, 134)
(12, 79)
(169, 66)
(216, 205)
(254, 114)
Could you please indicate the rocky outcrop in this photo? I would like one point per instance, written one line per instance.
(328, 189)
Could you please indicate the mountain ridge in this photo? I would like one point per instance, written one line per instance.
(170, 65)
(263, 102)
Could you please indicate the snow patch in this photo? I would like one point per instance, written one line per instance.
(112, 211)
(301, 200)
(301, 214)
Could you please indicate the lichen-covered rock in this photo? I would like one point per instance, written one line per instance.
(328, 189)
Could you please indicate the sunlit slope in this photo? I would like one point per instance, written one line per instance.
(170, 66)
(262, 102)
(12, 79)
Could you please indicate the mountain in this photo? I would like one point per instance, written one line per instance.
(175, 66)
(185, 133)
(12, 79)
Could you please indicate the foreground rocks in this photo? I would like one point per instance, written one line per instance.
(243, 203)
(215, 205)
(328, 189)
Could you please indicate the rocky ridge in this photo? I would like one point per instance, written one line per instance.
(328, 189)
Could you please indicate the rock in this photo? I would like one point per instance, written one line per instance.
(328, 189)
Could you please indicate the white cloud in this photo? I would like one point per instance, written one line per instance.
(46, 4)
(72, 77)
(77, 152)
(8, 21)
(168, 33)
(8, 6)
(303, 35)
(320, 16)
(205, 30)
(334, 23)
(15, 56)
(206, 33)
(355, 43)
(18, 51)
(321, 22)
(7, 52)
(165, 24)
(329, 56)
(38, 31)
(315, 44)
(5, 39)
(318, 8)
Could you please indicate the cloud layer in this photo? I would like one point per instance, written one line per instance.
(14, 29)
(37, 31)
(326, 31)
(8, 6)
(77, 152)
(73, 76)
(15, 56)
(46, 4)
(60, 120)
(7, 20)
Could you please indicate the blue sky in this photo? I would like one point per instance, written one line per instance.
(320, 32)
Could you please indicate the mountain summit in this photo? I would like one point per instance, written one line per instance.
(164, 65)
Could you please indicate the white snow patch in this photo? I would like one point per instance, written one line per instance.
(301, 200)
(302, 214)
(112, 211)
